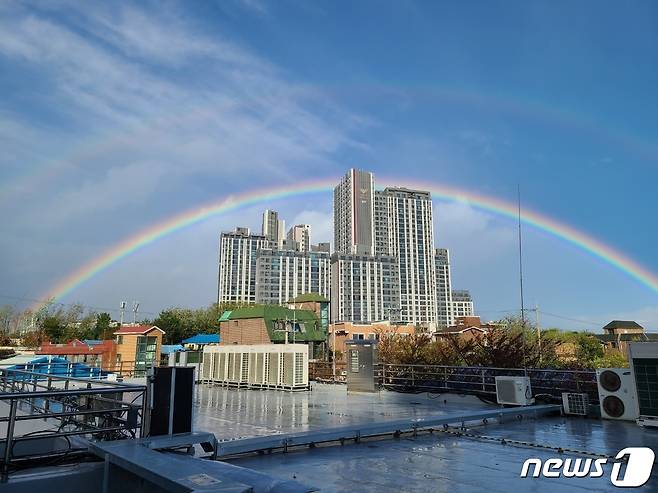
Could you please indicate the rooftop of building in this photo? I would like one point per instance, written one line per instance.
(407, 191)
(309, 297)
(623, 324)
(136, 329)
(307, 328)
(76, 347)
(483, 458)
(202, 339)
(627, 337)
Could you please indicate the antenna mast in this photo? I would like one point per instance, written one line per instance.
(520, 258)
(122, 308)
(135, 308)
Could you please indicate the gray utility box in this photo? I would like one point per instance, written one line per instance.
(361, 360)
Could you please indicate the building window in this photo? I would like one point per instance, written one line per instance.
(119, 339)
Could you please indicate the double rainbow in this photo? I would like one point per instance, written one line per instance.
(264, 196)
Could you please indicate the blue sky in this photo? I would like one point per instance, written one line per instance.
(116, 116)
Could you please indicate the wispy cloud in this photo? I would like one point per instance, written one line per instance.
(164, 94)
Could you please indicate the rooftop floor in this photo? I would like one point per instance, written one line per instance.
(427, 462)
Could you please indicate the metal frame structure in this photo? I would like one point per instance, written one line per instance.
(481, 381)
(61, 406)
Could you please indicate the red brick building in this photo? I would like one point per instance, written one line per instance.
(92, 353)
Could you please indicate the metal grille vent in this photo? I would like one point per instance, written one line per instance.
(574, 403)
(506, 390)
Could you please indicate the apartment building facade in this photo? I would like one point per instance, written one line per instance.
(462, 303)
(353, 213)
(282, 275)
(300, 237)
(404, 230)
(364, 288)
(444, 308)
(237, 265)
(273, 228)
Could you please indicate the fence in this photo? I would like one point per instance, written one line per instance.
(40, 411)
(323, 371)
(481, 381)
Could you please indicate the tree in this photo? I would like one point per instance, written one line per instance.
(34, 338)
(588, 349)
(181, 323)
(7, 316)
(53, 328)
(102, 330)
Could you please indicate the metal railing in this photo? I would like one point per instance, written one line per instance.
(481, 381)
(48, 406)
(323, 371)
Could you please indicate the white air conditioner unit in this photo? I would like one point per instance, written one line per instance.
(574, 403)
(514, 390)
(617, 394)
(643, 358)
(282, 366)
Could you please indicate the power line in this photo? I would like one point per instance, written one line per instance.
(543, 312)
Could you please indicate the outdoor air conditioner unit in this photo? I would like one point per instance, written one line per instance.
(283, 366)
(514, 390)
(643, 358)
(574, 403)
(617, 394)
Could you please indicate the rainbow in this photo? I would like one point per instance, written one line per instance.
(234, 202)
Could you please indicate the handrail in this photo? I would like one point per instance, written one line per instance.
(560, 370)
(96, 408)
(54, 376)
(481, 380)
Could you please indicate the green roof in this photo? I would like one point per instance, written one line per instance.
(307, 325)
(302, 298)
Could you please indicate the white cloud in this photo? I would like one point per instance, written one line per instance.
(322, 225)
(149, 88)
(472, 235)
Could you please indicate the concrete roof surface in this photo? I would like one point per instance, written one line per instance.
(438, 462)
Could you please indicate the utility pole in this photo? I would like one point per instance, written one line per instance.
(520, 259)
(122, 308)
(538, 330)
(135, 308)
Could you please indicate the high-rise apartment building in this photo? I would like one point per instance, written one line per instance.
(364, 288)
(404, 229)
(273, 228)
(300, 234)
(462, 304)
(353, 213)
(444, 316)
(282, 275)
(237, 266)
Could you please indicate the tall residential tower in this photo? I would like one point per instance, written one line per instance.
(404, 229)
(353, 213)
(237, 266)
(444, 306)
(273, 227)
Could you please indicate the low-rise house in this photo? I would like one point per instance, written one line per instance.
(272, 324)
(467, 327)
(90, 352)
(618, 333)
(340, 332)
(138, 348)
